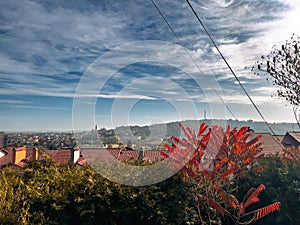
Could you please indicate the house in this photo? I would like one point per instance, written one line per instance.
(291, 139)
(13, 156)
(18, 157)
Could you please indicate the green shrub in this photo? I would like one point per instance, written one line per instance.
(48, 194)
(282, 179)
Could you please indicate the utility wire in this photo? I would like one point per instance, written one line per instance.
(229, 67)
(180, 42)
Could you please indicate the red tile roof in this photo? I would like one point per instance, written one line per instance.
(291, 139)
(295, 135)
(124, 155)
(81, 161)
(91, 154)
(153, 155)
(61, 156)
(108, 154)
(271, 144)
(6, 159)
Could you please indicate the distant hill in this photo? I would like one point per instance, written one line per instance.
(257, 127)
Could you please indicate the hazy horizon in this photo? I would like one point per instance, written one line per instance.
(143, 125)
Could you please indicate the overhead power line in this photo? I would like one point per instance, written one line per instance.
(195, 63)
(229, 67)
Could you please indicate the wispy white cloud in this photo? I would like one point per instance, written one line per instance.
(11, 101)
(269, 90)
(114, 96)
(37, 107)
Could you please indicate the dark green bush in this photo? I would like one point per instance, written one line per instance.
(282, 181)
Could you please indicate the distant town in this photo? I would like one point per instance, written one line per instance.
(150, 137)
(126, 143)
(59, 140)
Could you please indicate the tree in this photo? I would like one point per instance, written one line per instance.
(282, 65)
(218, 158)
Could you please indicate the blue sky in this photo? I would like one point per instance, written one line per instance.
(50, 48)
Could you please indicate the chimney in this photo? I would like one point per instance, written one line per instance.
(75, 154)
(35, 154)
(18, 154)
(1, 139)
(141, 154)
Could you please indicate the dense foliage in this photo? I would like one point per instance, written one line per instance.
(48, 194)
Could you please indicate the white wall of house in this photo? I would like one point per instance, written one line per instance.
(2, 153)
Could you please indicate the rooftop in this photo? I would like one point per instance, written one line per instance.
(271, 144)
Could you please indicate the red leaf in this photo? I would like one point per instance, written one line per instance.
(175, 139)
(164, 155)
(191, 131)
(228, 129)
(186, 133)
(255, 193)
(229, 199)
(217, 166)
(230, 172)
(170, 149)
(207, 175)
(266, 210)
(241, 132)
(254, 140)
(247, 161)
(251, 201)
(202, 129)
(206, 137)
